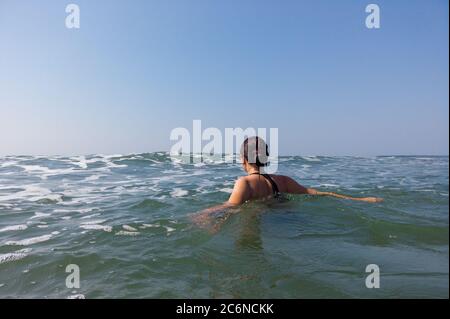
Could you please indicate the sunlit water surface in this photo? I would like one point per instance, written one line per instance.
(124, 220)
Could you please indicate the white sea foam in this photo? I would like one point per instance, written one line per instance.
(129, 228)
(9, 163)
(79, 161)
(7, 187)
(29, 241)
(107, 160)
(169, 229)
(92, 222)
(13, 228)
(178, 192)
(127, 233)
(96, 227)
(30, 192)
(93, 177)
(62, 210)
(76, 296)
(311, 158)
(39, 215)
(328, 185)
(44, 172)
(111, 156)
(226, 190)
(154, 161)
(144, 226)
(80, 210)
(35, 168)
(17, 255)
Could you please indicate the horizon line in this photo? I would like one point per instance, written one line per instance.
(223, 154)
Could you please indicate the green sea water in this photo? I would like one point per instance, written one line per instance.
(124, 221)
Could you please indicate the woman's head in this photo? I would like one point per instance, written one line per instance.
(254, 153)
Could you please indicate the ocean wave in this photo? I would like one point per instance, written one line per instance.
(311, 158)
(144, 226)
(80, 161)
(327, 185)
(129, 228)
(17, 255)
(127, 233)
(44, 172)
(105, 228)
(76, 296)
(91, 222)
(178, 192)
(39, 215)
(169, 229)
(90, 216)
(33, 193)
(73, 210)
(9, 164)
(94, 177)
(13, 228)
(29, 241)
(151, 204)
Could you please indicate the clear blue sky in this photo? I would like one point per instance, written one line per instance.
(137, 69)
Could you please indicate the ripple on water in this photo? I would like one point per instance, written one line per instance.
(150, 204)
(29, 241)
(13, 228)
(17, 255)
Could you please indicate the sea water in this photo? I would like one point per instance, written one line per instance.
(124, 221)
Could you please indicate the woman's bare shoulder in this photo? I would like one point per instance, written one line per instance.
(287, 184)
(280, 178)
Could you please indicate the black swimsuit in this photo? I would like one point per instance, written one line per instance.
(276, 192)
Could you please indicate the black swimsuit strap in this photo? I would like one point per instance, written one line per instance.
(274, 185)
(272, 182)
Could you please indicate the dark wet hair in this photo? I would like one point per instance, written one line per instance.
(255, 151)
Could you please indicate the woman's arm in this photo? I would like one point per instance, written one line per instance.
(362, 199)
(215, 209)
(239, 195)
(295, 188)
(203, 218)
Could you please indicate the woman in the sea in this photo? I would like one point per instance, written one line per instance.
(257, 185)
